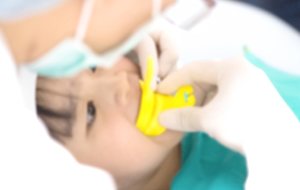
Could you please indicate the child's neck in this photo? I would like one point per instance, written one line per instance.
(162, 178)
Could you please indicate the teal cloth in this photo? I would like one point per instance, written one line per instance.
(288, 85)
(207, 165)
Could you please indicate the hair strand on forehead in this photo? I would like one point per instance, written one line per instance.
(58, 123)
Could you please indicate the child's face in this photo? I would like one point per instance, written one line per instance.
(105, 105)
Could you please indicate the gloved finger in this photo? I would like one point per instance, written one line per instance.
(210, 95)
(183, 119)
(167, 63)
(206, 72)
(167, 52)
(146, 48)
(203, 93)
(194, 118)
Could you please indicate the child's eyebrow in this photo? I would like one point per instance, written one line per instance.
(53, 113)
(59, 124)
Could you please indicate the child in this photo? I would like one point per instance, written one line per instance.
(93, 115)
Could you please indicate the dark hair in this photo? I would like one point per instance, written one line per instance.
(59, 123)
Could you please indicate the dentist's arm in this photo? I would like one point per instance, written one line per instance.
(111, 23)
(246, 114)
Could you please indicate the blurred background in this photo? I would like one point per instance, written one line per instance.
(288, 10)
(269, 28)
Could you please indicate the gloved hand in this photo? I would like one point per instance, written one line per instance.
(160, 46)
(245, 111)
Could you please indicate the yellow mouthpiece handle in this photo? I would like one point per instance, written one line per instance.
(152, 103)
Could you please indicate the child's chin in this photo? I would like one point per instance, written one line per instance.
(169, 137)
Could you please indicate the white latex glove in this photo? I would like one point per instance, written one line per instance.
(160, 46)
(246, 110)
(247, 114)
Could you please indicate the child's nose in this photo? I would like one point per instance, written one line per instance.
(122, 88)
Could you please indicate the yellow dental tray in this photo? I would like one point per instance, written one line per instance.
(152, 103)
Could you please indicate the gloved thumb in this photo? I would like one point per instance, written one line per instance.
(167, 52)
(183, 119)
(145, 49)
